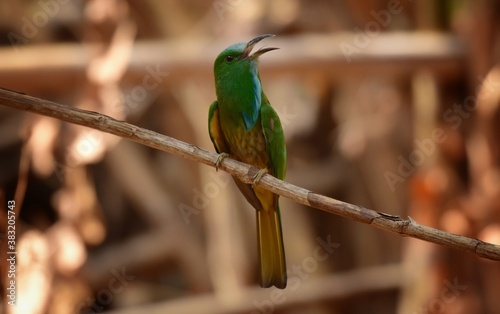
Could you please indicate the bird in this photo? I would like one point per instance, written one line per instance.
(244, 126)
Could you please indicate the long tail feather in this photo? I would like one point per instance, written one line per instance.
(271, 250)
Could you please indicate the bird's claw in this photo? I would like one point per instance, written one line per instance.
(220, 158)
(256, 178)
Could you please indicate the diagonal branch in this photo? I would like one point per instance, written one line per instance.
(403, 227)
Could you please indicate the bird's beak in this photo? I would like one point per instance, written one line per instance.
(251, 44)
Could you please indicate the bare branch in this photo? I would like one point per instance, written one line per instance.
(404, 227)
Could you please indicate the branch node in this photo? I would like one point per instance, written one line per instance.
(405, 225)
(390, 217)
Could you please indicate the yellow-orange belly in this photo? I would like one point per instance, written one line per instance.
(248, 147)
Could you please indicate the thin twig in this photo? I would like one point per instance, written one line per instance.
(404, 227)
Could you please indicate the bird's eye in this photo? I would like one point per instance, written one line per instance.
(230, 58)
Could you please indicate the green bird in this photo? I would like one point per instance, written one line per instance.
(243, 125)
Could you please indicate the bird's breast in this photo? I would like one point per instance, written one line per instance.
(246, 146)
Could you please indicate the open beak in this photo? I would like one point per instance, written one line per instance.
(251, 44)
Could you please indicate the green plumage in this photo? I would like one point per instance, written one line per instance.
(243, 124)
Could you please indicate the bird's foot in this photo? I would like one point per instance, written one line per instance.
(220, 158)
(256, 178)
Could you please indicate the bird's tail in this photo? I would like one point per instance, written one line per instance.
(271, 249)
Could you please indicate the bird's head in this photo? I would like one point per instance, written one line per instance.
(238, 57)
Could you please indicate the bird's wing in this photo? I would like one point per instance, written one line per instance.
(215, 131)
(219, 141)
(275, 139)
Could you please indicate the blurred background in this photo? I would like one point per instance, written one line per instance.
(392, 105)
